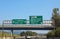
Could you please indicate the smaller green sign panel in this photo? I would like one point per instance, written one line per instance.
(19, 21)
(35, 19)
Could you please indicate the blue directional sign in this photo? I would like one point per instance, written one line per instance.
(35, 19)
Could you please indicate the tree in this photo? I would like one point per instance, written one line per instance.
(22, 33)
(57, 32)
(51, 34)
(56, 17)
(28, 33)
(56, 23)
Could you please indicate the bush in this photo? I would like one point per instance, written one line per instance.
(54, 33)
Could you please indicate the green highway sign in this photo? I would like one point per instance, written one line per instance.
(19, 21)
(35, 19)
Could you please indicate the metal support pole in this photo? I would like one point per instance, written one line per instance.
(12, 33)
(2, 30)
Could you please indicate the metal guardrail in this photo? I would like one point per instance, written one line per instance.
(46, 23)
(26, 25)
(7, 23)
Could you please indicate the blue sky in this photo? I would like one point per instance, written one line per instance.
(22, 9)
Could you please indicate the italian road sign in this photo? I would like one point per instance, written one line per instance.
(35, 19)
(19, 21)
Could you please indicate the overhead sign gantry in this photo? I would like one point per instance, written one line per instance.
(32, 20)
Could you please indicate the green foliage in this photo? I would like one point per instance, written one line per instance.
(51, 34)
(22, 33)
(56, 17)
(57, 32)
(56, 23)
(54, 33)
(28, 33)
